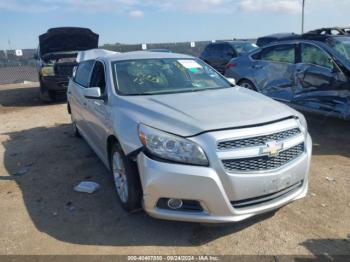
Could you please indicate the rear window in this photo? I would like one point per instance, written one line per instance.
(244, 47)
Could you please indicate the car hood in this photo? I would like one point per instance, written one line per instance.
(188, 114)
(63, 39)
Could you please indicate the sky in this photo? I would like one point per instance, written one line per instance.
(162, 21)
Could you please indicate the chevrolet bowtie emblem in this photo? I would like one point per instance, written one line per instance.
(272, 148)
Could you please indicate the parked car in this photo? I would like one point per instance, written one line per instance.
(310, 75)
(219, 54)
(320, 34)
(179, 138)
(265, 40)
(331, 31)
(56, 57)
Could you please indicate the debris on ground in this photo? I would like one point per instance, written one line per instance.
(330, 179)
(323, 205)
(313, 194)
(55, 214)
(87, 187)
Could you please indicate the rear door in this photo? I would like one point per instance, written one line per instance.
(273, 70)
(320, 81)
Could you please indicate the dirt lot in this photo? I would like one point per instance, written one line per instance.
(41, 214)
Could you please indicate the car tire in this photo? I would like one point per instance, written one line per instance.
(46, 95)
(126, 179)
(75, 129)
(247, 84)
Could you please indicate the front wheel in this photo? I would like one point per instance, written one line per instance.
(45, 94)
(247, 84)
(76, 132)
(126, 179)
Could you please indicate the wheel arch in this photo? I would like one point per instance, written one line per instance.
(249, 80)
(111, 140)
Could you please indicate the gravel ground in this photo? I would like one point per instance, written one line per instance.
(41, 214)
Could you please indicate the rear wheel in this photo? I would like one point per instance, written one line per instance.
(126, 179)
(247, 84)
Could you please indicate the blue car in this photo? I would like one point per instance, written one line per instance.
(307, 74)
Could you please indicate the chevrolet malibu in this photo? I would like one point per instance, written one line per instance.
(185, 143)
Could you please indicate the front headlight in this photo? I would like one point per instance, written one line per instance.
(302, 123)
(47, 71)
(171, 147)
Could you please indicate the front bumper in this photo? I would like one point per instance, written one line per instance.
(205, 185)
(55, 83)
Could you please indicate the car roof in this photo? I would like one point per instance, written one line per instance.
(294, 41)
(279, 35)
(230, 42)
(143, 55)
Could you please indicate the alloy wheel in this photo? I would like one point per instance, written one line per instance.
(120, 179)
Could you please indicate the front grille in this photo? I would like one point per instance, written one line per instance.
(64, 69)
(264, 162)
(258, 141)
(267, 198)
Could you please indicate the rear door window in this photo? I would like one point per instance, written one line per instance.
(279, 53)
(311, 54)
(227, 52)
(216, 50)
(206, 52)
(82, 74)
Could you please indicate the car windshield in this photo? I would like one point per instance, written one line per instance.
(244, 47)
(163, 76)
(341, 45)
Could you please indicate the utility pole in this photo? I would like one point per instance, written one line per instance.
(302, 18)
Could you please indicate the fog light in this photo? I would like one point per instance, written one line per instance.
(174, 203)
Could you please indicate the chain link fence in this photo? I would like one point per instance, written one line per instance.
(19, 66)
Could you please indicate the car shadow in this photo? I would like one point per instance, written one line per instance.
(326, 250)
(47, 163)
(24, 97)
(330, 136)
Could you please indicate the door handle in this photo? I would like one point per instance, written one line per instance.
(84, 103)
(257, 66)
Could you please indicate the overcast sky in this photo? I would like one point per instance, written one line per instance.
(147, 21)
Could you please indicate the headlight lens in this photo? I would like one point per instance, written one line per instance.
(47, 71)
(302, 123)
(171, 147)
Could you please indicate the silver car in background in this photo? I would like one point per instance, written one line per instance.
(184, 142)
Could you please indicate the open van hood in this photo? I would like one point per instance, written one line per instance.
(62, 39)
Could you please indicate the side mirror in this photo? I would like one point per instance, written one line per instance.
(93, 93)
(232, 81)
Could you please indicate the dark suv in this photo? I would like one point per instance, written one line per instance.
(219, 54)
(56, 57)
(310, 75)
